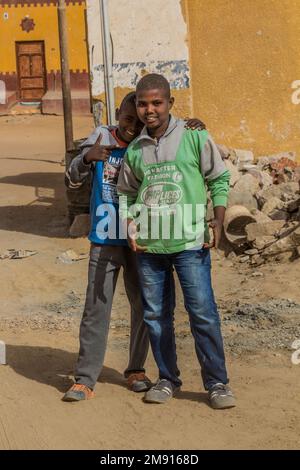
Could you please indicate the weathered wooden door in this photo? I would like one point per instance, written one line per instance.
(31, 70)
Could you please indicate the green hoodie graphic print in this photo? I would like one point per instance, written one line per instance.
(168, 199)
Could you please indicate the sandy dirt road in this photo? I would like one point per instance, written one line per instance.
(41, 304)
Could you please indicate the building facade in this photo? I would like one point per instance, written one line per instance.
(30, 58)
(146, 37)
(245, 71)
(233, 63)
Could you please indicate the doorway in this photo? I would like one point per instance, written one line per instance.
(31, 69)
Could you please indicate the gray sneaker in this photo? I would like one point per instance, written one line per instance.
(163, 391)
(220, 396)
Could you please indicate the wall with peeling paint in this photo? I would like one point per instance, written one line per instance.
(245, 71)
(147, 37)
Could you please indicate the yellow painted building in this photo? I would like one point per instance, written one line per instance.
(245, 71)
(29, 51)
(233, 63)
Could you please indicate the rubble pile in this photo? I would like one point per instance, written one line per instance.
(262, 222)
(275, 323)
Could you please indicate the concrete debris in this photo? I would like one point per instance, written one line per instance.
(266, 160)
(257, 274)
(275, 209)
(258, 230)
(286, 230)
(295, 236)
(263, 177)
(296, 215)
(285, 257)
(235, 175)
(271, 321)
(247, 182)
(70, 256)
(293, 206)
(243, 198)
(236, 220)
(282, 170)
(243, 157)
(284, 192)
(280, 246)
(262, 222)
(256, 260)
(260, 217)
(260, 243)
(251, 252)
(17, 254)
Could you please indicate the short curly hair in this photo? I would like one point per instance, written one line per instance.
(129, 98)
(154, 81)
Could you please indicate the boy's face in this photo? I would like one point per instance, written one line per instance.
(129, 124)
(153, 108)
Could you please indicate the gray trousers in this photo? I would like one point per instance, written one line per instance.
(104, 266)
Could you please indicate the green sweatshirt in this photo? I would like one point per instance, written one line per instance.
(162, 186)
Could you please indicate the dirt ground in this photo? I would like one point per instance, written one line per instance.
(41, 304)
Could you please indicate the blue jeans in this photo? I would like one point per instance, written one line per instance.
(158, 292)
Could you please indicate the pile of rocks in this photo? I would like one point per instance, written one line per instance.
(263, 218)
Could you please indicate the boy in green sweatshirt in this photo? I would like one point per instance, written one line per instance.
(162, 189)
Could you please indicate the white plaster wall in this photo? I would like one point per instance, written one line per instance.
(147, 36)
(2, 92)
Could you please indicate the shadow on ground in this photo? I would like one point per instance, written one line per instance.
(46, 214)
(52, 366)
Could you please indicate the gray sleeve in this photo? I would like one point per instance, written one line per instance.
(78, 171)
(211, 163)
(127, 182)
(224, 151)
(128, 186)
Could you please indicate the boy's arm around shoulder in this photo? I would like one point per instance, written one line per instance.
(215, 173)
(79, 170)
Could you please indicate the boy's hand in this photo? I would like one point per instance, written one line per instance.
(216, 226)
(195, 123)
(99, 153)
(131, 237)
